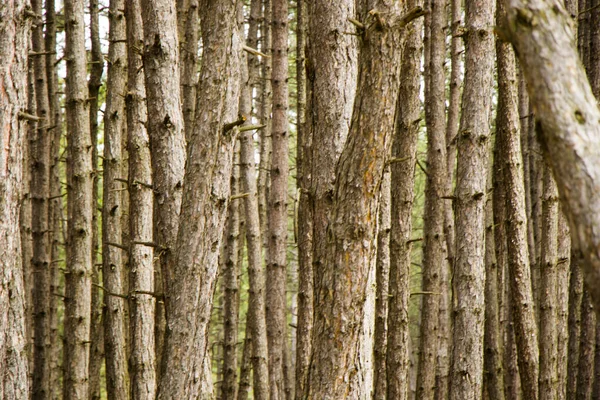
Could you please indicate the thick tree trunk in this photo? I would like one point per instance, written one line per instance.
(277, 205)
(352, 226)
(434, 259)
(204, 205)
(80, 173)
(403, 162)
(15, 28)
(469, 272)
(115, 329)
(142, 305)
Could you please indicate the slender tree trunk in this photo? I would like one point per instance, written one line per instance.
(403, 161)
(575, 299)
(94, 84)
(115, 329)
(141, 254)
(204, 205)
(80, 172)
(382, 287)
(15, 28)
(246, 363)
(564, 258)
(435, 186)
(188, 58)
(40, 192)
(585, 373)
(469, 273)
(277, 206)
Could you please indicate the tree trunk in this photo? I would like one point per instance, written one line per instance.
(115, 329)
(80, 173)
(141, 253)
(404, 149)
(15, 30)
(246, 363)
(564, 257)
(204, 205)
(434, 259)
(469, 272)
(277, 205)
(352, 226)
(585, 364)
(575, 299)
(382, 287)
(188, 59)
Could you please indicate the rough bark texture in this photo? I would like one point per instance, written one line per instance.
(188, 58)
(548, 285)
(246, 364)
(14, 46)
(277, 205)
(204, 205)
(403, 165)
(142, 304)
(434, 257)
(340, 295)
(382, 286)
(564, 258)
(522, 307)
(540, 31)
(115, 329)
(575, 298)
(80, 172)
(469, 273)
(587, 342)
(39, 194)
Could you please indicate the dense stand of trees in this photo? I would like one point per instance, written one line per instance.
(273, 199)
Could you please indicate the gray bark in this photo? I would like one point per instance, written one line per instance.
(575, 298)
(564, 258)
(585, 373)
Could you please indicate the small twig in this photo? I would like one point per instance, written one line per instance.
(251, 127)
(117, 245)
(58, 196)
(146, 292)
(108, 292)
(424, 293)
(239, 196)
(414, 240)
(356, 23)
(122, 180)
(254, 52)
(448, 197)
(62, 296)
(147, 185)
(30, 117)
(397, 160)
(149, 244)
(227, 127)
(40, 53)
(411, 16)
(422, 168)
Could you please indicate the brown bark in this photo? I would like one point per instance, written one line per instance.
(115, 329)
(575, 299)
(585, 364)
(204, 205)
(433, 220)
(563, 266)
(15, 28)
(382, 286)
(403, 160)
(469, 274)
(141, 255)
(245, 363)
(548, 286)
(80, 172)
(39, 194)
(277, 203)
(188, 58)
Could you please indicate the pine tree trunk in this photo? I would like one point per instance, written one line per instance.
(246, 364)
(277, 205)
(403, 163)
(188, 58)
(433, 220)
(80, 172)
(141, 254)
(564, 258)
(15, 30)
(575, 299)
(469, 273)
(587, 342)
(204, 205)
(115, 329)
(352, 225)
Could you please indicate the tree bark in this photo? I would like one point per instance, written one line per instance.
(404, 149)
(188, 59)
(15, 28)
(142, 302)
(575, 299)
(204, 205)
(469, 273)
(115, 329)
(585, 364)
(433, 219)
(564, 258)
(80, 176)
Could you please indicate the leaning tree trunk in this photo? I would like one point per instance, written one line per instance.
(14, 47)
(353, 219)
(473, 152)
(142, 359)
(115, 329)
(403, 162)
(192, 278)
(81, 203)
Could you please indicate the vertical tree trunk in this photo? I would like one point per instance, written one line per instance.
(80, 172)
(382, 287)
(141, 254)
(206, 194)
(15, 30)
(40, 192)
(587, 342)
(433, 220)
(404, 149)
(246, 363)
(575, 300)
(469, 273)
(115, 330)
(188, 58)
(564, 257)
(352, 226)
(277, 206)
(94, 84)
